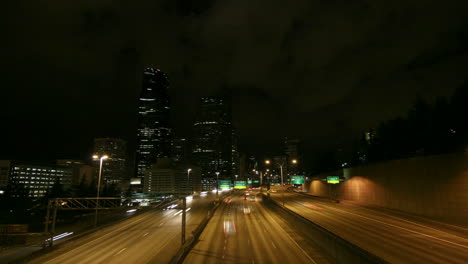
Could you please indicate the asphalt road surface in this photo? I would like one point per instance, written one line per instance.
(150, 237)
(393, 236)
(243, 231)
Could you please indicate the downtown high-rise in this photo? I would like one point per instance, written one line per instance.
(213, 140)
(153, 128)
(114, 169)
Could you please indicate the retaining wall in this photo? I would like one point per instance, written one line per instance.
(434, 186)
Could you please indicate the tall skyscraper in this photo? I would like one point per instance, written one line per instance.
(180, 149)
(154, 131)
(212, 146)
(235, 170)
(114, 169)
(292, 150)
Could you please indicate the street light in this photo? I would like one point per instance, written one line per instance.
(217, 184)
(100, 158)
(281, 164)
(184, 206)
(188, 179)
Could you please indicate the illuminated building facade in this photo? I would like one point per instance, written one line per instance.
(153, 131)
(167, 177)
(180, 150)
(35, 180)
(292, 151)
(213, 141)
(114, 168)
(81, 171)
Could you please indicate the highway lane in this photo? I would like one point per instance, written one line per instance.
(243, 231)
(391, 236)
(150, 237)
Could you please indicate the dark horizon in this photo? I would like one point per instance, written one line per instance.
(319, 76)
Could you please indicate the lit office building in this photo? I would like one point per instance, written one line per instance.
(180, 150)
(35, 180)
(212, 149)
(292, 152)
(235, 154)
(153, 131)
(4, 175)
(114, 168)
(167, 177)
(80, 170)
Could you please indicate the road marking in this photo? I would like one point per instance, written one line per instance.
(161, 224)
(311, 206)
(409, 230)
(414, 223)
(120, 251)
(145, 234)
(178, 213)
(273, 244)
(303, 251)
(118, 227)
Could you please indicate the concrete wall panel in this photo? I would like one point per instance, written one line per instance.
(434, 186)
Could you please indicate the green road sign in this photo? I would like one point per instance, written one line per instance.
(297, 179)
(256, 181)
(240, 185)
(333, 179)
(224, 184)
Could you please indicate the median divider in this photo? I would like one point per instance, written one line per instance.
(341, 250)
(193, 238)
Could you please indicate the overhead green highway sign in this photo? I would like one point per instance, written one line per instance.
(333, 179)
(224, 184)
(297, 179)
(240, 185)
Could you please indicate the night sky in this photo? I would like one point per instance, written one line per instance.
(321, 71)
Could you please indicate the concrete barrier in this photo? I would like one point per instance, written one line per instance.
(435, 186)
(341, 250)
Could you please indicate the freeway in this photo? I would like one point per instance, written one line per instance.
(396, 237)
(244, 231)
(149, 237)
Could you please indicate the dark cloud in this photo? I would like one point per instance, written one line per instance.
(320, 70)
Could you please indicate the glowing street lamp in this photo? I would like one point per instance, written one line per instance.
(188, 178)
(100, 158)
(217, 184)
(294, 161)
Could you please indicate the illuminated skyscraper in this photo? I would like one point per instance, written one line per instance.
(154, 131)
(212, 148)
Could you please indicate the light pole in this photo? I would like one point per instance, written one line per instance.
(217, 185)
(100, 158)
(184, 206)
(294, 161)
(188, 180)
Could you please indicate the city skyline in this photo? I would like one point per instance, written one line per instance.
(203, 131)
(288, 76)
